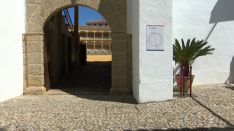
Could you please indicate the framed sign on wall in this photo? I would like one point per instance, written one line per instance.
(155, 37)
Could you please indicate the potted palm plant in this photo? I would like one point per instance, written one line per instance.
(184, 53)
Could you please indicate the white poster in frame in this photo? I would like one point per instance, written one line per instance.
(155, 37)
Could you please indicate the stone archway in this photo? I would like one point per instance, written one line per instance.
(37, 13)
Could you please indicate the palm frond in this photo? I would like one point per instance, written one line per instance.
(185, 52)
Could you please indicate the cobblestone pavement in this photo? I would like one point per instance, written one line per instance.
(211, 107)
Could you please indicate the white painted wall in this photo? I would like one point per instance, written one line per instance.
(191, 19)
(133, 28)
(12, 26)
(152, 70)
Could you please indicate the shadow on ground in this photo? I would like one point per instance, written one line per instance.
(183, 129)
(189, 129)
(110, 98)
(93, 78)
(228, 86)
(92, 81)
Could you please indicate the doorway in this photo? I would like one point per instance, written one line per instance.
(36, 70)
(78, 54)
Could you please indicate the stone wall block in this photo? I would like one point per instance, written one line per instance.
(57, 4)
(25, 78)
(115, 11)
(118, 70)
(33, 27)
(37, 17)
(120, 91)
(24, 58)
(35, 80)
(119, 46)
(47, 9)
(119, 49)
(35, 90)
(24, 45)
(34, 2)
(119, 36)
(119, 42)
(35, 58)
(119, 81)
(34, 46)
(34, 37)
(119, 85)
(119, 58)
(30, 9)
(35, 69)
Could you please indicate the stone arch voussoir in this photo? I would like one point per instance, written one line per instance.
(38, 11)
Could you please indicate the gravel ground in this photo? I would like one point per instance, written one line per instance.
(211, 107)
(219, 100)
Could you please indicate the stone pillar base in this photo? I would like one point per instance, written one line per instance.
(120, 91)
(35, 90)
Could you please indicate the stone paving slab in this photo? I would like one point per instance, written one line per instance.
(68, 112)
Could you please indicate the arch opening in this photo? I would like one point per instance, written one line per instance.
(36, 66)
(77, 52)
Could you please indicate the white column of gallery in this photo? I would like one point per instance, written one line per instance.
(150, 24)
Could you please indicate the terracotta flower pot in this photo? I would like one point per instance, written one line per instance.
(187, 81)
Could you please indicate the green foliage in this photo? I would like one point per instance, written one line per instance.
(186, 52)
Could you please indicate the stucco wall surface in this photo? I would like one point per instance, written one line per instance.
(133, 29)
(11, 53)
(191, 19)
(152, 70)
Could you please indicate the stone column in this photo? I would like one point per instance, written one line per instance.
(76, 17)
(102, 45)
(34, 83)
(109, 45)
(109, 35)
(119, 64)
(76, 35)
(94, 45)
